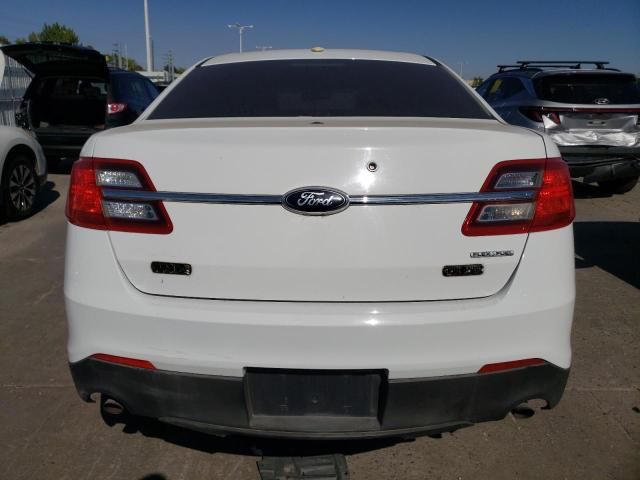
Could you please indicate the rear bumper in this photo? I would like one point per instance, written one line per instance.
(407, 407)
(530, 317)
(602, 163)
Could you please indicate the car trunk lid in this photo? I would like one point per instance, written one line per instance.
(364, 253)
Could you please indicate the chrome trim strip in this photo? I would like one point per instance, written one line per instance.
(431, 198)
(124, 194)
(242, 199)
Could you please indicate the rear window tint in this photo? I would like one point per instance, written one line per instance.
(133, 87)
(317, 88)
(589, 88)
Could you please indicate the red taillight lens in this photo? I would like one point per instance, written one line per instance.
(552, 206)
(113, 108)
(537, 113)
(87, 206)
(129, 362)
(502, 366)
(84, 202)
(555, 207)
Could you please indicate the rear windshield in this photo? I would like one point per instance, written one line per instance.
(318, 88)
(133, 86)
(589, 88)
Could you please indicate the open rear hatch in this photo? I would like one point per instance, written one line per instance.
(52, 59)
(364, 253)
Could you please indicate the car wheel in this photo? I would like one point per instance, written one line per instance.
(619, 185)
(19, 187)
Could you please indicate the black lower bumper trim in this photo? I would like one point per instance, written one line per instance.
(408, 408)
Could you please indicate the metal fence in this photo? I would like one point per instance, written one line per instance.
(14, 83)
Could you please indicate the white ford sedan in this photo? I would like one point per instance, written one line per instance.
(320, 244)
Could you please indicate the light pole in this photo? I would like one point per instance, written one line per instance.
(240, 30)
(461, 64)
(147, 37)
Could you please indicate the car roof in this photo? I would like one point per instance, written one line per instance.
(538, 73)
(318, 53)
(121, 71)
(540, 68)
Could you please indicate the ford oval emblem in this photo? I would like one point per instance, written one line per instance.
(315, 201)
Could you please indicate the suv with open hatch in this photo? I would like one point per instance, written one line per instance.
(73, 94)
(319, 244)
(590, 111)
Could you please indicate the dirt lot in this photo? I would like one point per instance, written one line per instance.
(47, 432)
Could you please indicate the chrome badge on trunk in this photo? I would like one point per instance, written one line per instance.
(315, 201)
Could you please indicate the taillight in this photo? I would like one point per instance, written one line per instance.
(113, 108)
(550, 207)
(537, 113)
(88, 207)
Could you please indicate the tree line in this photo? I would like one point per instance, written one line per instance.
(59, 33)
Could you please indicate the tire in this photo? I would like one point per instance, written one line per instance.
(19, 187)
(619, 185)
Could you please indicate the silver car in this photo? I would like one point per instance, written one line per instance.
(590, 111)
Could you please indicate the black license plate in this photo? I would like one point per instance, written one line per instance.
(320, 394)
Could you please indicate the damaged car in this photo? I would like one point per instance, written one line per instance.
(74, 94)
(590, 111)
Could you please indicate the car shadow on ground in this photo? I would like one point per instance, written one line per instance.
(250, 446)
(611, 246)
(46, 197)
(62, 166)
(585, 190)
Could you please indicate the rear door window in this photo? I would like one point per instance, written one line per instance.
(589, 88)
(503, 89)
(132, 87)
(342, 88)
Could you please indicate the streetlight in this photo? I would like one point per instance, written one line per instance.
(240, 30)
(147, 37)
(461, 64)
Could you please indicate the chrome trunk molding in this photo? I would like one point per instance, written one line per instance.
(246, 199)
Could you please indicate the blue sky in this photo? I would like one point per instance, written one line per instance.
(479, 34)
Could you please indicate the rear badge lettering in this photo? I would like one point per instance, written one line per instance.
(462, 270)
(492, 253)
(315, 201)
(169, 268)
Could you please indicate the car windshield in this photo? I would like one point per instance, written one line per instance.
(317, 88)
(600, 88)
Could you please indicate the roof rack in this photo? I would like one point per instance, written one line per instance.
(539, 64)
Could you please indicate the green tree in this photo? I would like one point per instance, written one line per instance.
(131, 64)
(176, 69)
(4, 40)
(476, 81)
(55, 33)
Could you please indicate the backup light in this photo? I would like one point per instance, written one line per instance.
(506, 213)
(87, 207)
(512, 180)
(129, 210)
(117, 178)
